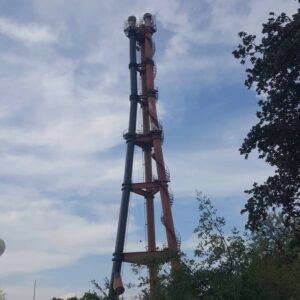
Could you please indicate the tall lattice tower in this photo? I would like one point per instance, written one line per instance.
(150, 141)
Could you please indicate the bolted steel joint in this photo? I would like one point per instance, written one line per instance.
(133, 65)
(125, 186)
(118, 256)
(129, 137)
(134, 97)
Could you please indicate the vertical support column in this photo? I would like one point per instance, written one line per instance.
(158, 154)
(148, 162)
(148, 178)
(116, 286)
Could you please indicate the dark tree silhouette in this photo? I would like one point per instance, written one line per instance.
(274, 71)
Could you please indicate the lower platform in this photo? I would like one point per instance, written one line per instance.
(149, 257)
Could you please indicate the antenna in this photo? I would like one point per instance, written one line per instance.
(2, 247)
(34, 287)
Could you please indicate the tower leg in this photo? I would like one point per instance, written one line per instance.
(116, 286)
(148, 178)
(158, 154)
(153, 282)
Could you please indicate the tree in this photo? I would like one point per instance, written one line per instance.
(262, 265)
(2, 295)
(100, 293)
(274, 71)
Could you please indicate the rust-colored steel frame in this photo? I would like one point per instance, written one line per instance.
(150, 141)
(147, 60)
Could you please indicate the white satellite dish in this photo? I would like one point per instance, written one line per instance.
(2, 247)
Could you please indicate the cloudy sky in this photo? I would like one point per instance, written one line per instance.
(64, 106)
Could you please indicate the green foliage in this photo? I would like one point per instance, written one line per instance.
(90, 296)
(100, 293)
(274, 71)
(213, 246)
(253, 266)
(249, 266)
(2, 295)
(262, 265)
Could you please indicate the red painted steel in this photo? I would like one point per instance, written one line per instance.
(158, 153)
(148, 176)
(153, 150)
(147, 161)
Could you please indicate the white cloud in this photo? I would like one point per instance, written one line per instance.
(54, 136)
(216, 172)
(27, 32)
(190, 244)
(204, 35)
(42, 233)
(53, 127)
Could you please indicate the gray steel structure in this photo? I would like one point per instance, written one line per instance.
(150, 141)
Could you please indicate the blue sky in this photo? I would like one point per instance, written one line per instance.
(64, 106)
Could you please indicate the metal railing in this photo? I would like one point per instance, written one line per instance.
(154, 70)
(175, 234)
(171, 196)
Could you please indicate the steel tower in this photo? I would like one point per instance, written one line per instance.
(150, 141)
